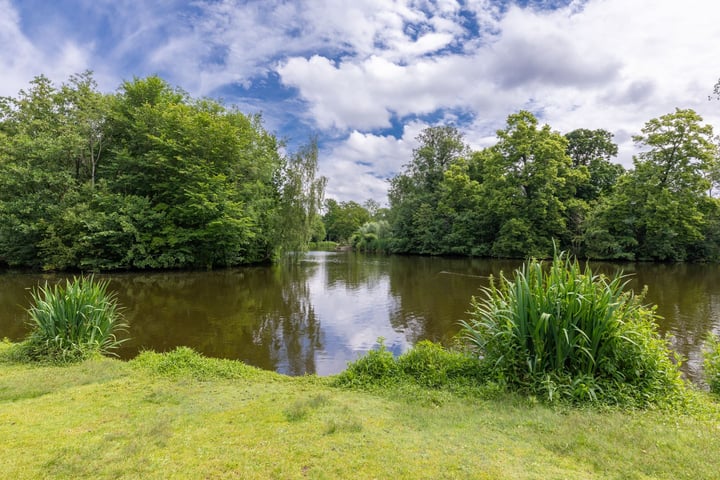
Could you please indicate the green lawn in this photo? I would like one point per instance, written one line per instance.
(160, 417)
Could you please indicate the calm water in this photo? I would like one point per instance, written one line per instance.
(317, 316)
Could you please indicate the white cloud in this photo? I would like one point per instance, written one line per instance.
(360, 164)
(366, 65)
(21, 59)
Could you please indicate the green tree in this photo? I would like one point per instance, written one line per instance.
(146, 178)
(593, 150)
(415, 193)
(39, 177)
(301, 197)
(661, 210)
(529, 188)
(343, 219)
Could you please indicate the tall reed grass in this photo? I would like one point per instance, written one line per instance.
(564, 332)
(73, 321)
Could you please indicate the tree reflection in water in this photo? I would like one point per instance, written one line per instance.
(315, 316)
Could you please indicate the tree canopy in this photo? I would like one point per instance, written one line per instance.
(536, 189)
(147, 177)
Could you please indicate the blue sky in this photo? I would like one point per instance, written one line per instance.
(366, 76)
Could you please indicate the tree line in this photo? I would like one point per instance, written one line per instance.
(149, 177)
(146, 177)
(536, 189)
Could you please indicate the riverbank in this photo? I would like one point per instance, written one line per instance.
(185, 416)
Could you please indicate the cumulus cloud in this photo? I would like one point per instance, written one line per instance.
(357, 72)
(360, 165)
(21, 59)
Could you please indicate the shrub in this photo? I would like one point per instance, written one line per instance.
(562, 333)
(711, 362)
(431, 365)
(376, 367)
(184, 362)
(426, 364)
(372, 237)
(72, 322)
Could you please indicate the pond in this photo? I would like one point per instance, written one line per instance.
(320, 314)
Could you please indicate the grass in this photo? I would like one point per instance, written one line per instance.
(180, 415)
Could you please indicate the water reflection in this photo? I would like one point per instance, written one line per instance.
(316, 316)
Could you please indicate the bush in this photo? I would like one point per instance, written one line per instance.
(186, 362)
(376, 367)
(431, 365)
(562, 333)
(72, 322)
(427, 364)
(372, 237)
(711, 362)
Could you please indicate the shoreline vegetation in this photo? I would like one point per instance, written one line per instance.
(559, 373)
(517, 398)
(181, 415)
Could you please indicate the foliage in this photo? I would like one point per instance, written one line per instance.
(145, 178)
(72, 322)
(593, 150)
(323, 246)
(426, 364)
(536, 186)
(567, 334)
(301, 195)
(185, 362)
(418, 224)
(711, 362)
(343, 219)
(372, 237)
(661, 209)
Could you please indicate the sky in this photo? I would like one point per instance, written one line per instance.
(367, 76)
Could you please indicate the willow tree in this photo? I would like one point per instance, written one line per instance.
(301, 198)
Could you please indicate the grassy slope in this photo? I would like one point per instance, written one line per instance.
(109, 419)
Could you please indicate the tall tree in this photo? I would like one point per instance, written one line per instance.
(528, 184)
(146, 178)
(661, 209)
(414, 194)
(594, 150)
(301, 198)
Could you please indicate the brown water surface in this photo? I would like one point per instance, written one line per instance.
(317, 316)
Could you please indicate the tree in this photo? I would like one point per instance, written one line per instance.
(343, 219)
(593, 150)
(529, 181)
(661, 209)
(414, 194)
(301, 196)
(145, 178)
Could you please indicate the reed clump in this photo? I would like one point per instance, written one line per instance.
(564, 333)
(72, 322)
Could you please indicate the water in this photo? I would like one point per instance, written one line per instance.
(317, 316)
